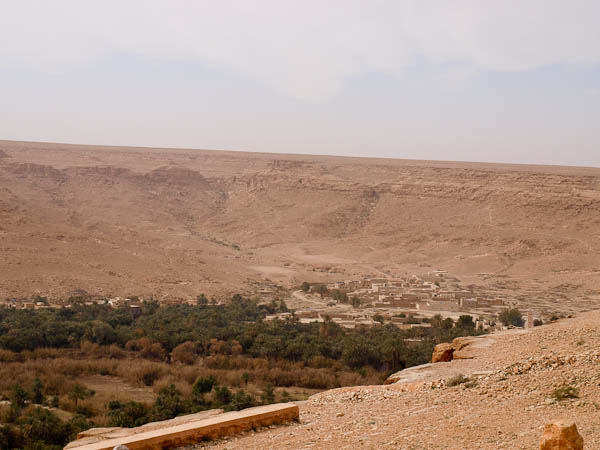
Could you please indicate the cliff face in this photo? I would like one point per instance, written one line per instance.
(181, 222)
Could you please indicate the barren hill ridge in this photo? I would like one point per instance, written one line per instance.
(175, 223)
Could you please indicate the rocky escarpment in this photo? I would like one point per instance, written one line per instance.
(142, 213)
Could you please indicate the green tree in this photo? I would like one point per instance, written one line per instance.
(465, 321)
(436, 321)
(202, 386)
(79, 392)
(320, 289)
(37, 396)
(268, 394)
(7, 438)
(512, 316)
(241, 400)
(168, 404)
(42, 425)
(305, 286)
(223, 395)
(18, 397)
(447, 323)
(359, 353)
(246, 377)
(394, 351)
(329, 328)
(128, 415)
(100, 332)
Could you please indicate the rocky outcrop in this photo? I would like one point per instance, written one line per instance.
(458, 349)
(442, 353)
(180, 432)
(561, 435)
(464, 348)
(94, 435)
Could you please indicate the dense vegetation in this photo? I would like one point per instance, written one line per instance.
(193, 357)
(512, 316)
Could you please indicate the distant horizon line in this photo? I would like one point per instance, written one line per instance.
(294, 154)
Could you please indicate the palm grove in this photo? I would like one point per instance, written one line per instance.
(193, 357)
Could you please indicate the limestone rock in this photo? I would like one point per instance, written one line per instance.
(463, 348)
(442, 353)
(561, 435)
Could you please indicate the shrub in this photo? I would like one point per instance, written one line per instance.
(378, 318)
(7, 356)
(85, 410)
(79, 392)
(511, 316)
(204, 385)
(147, 348)
(168, 404)
(186, 353)
(456, 380)
(223, 395)
(146, 374)
(37, 395)
(241, 400)
(465, 321)
(268, 395)
(130, 414)
(285, 396)
(42, 425)
(564, 392)
(18, 397)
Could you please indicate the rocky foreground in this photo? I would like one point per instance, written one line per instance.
(515, 384)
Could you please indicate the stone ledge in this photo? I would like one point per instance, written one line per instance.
(226, 424)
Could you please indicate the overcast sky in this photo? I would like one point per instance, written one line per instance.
(479, 80)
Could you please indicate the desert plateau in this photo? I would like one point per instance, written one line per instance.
(173, 223)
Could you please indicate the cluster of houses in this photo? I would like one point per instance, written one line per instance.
(347, 320)
(430, 292)
(135, 305)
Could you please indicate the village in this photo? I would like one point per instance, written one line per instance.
(409, 302)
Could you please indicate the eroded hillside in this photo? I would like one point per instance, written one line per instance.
(175, 223)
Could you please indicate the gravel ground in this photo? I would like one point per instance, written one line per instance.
(504, 405)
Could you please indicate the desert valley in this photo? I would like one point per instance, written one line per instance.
(173, 224)
(162, 288)
(257, 225)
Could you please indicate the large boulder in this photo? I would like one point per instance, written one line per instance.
(561, 435)
(442, 353)
(460, 348)
(463, 348)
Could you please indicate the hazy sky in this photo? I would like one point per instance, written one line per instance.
(482, 80)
